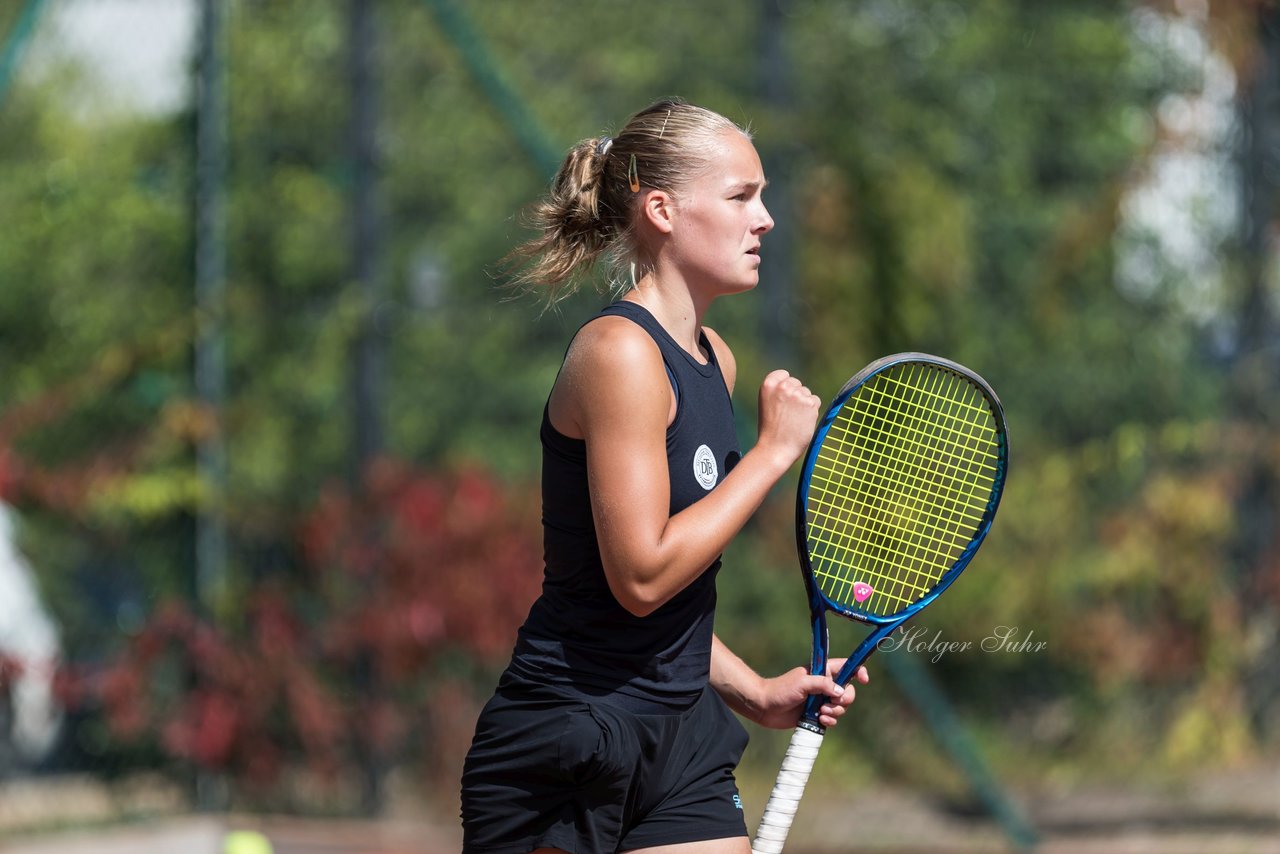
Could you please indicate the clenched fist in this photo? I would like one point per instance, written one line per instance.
(788, 415)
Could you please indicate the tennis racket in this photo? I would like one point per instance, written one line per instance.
(899, 488)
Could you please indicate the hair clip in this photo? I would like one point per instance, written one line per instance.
(633, 175)
(603, 146)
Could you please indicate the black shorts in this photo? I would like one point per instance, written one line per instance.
(546, 769)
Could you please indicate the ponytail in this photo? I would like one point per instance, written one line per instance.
(587, 215)
(574, 228)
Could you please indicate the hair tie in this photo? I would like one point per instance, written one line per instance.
(603, 146)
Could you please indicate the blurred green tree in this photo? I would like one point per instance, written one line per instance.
(959, 176)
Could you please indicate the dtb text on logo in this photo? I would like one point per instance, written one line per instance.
(704, 467)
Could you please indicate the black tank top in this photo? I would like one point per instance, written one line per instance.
(577, 635)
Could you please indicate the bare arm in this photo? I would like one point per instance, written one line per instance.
(614, 393)
(777, 702)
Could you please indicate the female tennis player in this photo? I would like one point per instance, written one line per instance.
(610, 730)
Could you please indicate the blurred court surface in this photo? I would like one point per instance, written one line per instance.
(1223, 813)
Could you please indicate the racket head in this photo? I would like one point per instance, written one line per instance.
(899, 487)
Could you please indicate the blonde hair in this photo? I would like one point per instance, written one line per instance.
(588, 214)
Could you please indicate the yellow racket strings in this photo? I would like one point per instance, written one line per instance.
(900, 486)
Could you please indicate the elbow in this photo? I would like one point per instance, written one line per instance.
(638, 598)
(638, 602)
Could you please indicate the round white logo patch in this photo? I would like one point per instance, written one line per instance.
(704, 467)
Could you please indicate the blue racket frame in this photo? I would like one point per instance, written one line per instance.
(819, 603)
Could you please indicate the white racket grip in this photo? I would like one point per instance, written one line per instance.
(780, 811)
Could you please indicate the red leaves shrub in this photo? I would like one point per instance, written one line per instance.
(425, 562)
(335, 662)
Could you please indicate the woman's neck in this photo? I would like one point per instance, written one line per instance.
(675, 309)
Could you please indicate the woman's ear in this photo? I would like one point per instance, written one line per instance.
(658, 209)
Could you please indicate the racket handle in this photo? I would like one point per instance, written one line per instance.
(780, 811)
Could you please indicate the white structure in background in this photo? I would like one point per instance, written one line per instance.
(1175, 222)
(28, 635)
(136, 53)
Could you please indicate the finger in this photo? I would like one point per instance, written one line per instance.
(842, 699)
(829, 720)
(835, 665)
(829, 687)
(842, 694)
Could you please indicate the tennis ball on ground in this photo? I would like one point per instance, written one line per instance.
(246, 842)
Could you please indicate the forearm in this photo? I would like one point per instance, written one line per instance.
(777, 702)
(733, 679)
(646, 574)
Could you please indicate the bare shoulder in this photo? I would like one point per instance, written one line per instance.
(728, 365)
(613, 346)
(612, 366)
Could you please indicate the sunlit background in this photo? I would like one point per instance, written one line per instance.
(269, 511)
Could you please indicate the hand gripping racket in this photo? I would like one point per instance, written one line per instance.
(899, 488)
